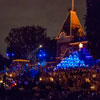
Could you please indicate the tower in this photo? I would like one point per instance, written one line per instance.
(69, 33)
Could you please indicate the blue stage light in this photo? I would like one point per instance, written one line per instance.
(26, 64)
(77, 59)
(12, 54)
(40, 55)
(44, 54)
(8, 54)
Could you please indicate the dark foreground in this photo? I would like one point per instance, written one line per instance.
(46, 91)
(73, 84)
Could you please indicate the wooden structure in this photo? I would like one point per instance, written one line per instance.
(70, 35)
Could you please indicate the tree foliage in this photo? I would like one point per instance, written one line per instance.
(25, 41)
(21, 41)
(50, 48)
(92, 24)
(4, 62)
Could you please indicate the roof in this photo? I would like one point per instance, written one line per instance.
(72, 26)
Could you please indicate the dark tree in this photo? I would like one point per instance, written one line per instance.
(93, 27)
(24, 40)
(50, 48)
(4, 62)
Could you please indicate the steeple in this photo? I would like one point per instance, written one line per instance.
(72, 26)
(73, 5)
(70, 31)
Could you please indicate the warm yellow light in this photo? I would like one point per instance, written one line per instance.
(6, 73)
(92, 87)
(7, 85)
(40, 79)
(51, 79)
(10, 75)
(40, 46)
(80, 45)
(77, 43)
(1, 81)
(88, 80)
(20, 60)
(94, 76)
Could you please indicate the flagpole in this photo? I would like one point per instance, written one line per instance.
(72, 4)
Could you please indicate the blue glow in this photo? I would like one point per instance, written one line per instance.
(80, 58)
(71, 61)
(13, 54)
(77, 59)
(79, 39)
(7, 54)
(26, 64)
(40, 55)
(39, 64)
(43, 63)
(44, 54)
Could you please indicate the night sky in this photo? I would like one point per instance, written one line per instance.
(47, 13)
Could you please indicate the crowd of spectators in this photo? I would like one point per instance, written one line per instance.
(69, 84)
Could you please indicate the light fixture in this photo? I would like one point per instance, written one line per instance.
(40, 46)
(80, 45)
